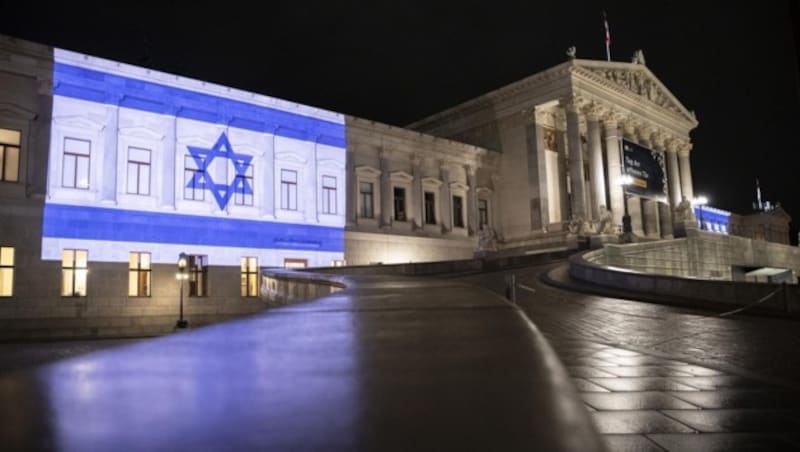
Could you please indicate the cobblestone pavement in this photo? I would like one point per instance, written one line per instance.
(664, 378)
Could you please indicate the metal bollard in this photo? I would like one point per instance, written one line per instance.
(511, 288)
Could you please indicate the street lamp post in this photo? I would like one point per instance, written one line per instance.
(700, 201)
(627, 229)
(181, 276)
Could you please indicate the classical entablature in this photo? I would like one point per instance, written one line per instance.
(626, 92)
(630, 89)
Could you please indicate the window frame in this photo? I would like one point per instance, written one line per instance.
(9, 268)
(74, 269)
(78, 157)
(240, 198)
(138, 271)
(483, 213)
(458, 213)
(198, 269)
(288, 190)
(366, 209)
(248, 275)
(329, 195)
(4, 155)
(399, 214)
(429, 208)
(138, 165)
(191, 172)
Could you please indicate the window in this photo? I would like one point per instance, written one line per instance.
(367, 198)
(138, 171)
(295, 263)
(139, 274)
(249, 277)
(483, 213)
(198, 276)
(288, 189)
(240, 197)
(9, 155)
(430, 208)
(75, 171)
(73, 273)
(399, 204)
(193, 187)
(458, 211)
(329, 195)
(6, 271)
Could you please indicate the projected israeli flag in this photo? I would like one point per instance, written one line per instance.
(147, 161)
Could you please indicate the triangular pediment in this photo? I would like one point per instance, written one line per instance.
(635, 79)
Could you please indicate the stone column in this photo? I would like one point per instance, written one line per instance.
(596, 163)
(664, 208)
(673, 175)
(445, 208)
(563, 187)
(472, 199)
(351, 200)
(686, 171)
(575, 159)
(417, 204)
(168, 161)
(312, 206)
(495, 208)
(386, 190)
(651, 223)
(108, 190)
(614, 169)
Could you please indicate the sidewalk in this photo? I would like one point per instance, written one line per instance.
(390, 363)
(658, 377)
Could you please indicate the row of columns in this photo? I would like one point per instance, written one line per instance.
(598, 123)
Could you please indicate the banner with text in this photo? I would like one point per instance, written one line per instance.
(646, 167)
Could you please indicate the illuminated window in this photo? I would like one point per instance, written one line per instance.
(139, 274)
(483, 213)
(458, 211)
(329, 195)
(288, 189)
(430, 208)
(249, 277)
(338, 263)
(367, 198)
(75, 170)
(6, 271)
(138, 171)
(9, 155)
(399, 204)
(74, 271)
(198, 276)
(193, 186)
(295, 263)
(240, 198)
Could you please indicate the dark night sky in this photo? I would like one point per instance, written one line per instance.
(395, 62)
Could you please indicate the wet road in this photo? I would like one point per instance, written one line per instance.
(664, 378)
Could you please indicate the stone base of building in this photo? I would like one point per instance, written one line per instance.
(364, 248)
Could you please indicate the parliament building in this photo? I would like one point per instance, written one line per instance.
(108, 172)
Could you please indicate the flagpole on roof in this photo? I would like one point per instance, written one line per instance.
(608, 37)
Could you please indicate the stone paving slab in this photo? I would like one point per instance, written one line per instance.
(680, 379)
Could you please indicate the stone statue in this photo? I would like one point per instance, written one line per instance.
(486, 239)
(683, 211)
(576, 225)
(571, 52)
(605, 222)
(638, 57)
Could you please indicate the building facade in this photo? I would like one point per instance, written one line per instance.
(110, 172)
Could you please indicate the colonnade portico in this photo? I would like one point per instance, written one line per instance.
(601, 127)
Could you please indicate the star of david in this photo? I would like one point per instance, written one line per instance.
(202, 179)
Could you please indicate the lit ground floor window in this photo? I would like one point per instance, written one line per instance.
(74, 272)
(249, 277)
(6, 271)
(139, 274)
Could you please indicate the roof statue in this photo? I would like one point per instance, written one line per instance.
(638, 57)
(571, 52)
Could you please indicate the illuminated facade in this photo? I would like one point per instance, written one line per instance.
(108, 172)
